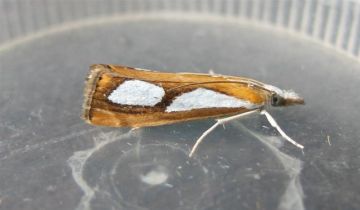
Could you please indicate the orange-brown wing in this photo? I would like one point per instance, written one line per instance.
(104, 106)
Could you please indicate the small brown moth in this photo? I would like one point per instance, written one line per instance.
(120, 96)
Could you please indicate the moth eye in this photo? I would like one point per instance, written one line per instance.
(275, 100)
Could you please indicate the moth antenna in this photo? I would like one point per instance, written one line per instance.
(260, 85)
(214, 82)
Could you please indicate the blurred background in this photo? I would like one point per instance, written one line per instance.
(51, 159)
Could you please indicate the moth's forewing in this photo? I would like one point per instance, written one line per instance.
(104, 79)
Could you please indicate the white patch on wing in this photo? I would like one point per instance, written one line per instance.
(137, 92)
(204, 98)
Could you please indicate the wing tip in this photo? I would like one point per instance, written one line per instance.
(96, 70)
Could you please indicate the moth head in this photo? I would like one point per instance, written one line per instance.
(279, 100)
(284, 97)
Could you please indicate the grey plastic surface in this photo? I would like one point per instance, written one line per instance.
(51, 159)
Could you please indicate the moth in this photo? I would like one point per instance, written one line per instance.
(120, 96)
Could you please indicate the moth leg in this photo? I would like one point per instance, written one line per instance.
(199, 140)
(274, 124)
(231, 118)
(218, 122)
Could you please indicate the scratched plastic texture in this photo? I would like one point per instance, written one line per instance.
(51, 159)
